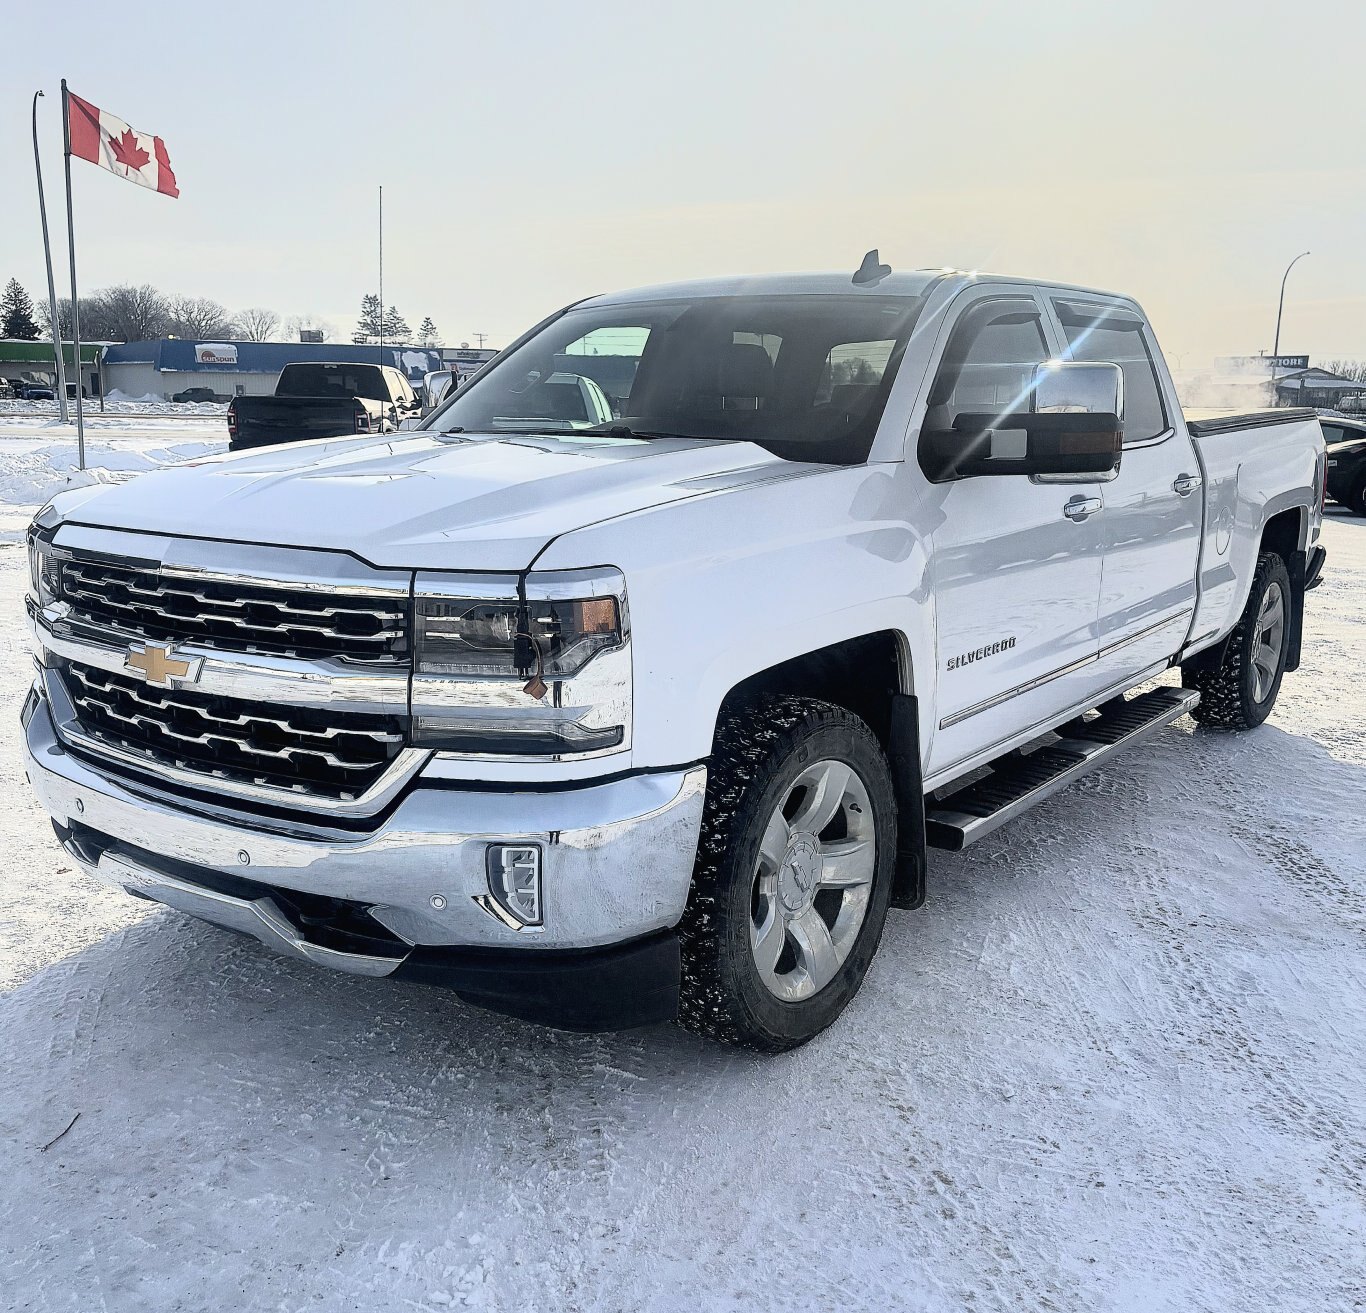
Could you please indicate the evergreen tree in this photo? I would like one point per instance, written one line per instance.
(16, 313)
(395, 326)
(368, 326)
(427, 334)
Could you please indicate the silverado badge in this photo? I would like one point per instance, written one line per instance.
(156, 663)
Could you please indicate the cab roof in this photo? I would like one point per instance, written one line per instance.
(914, 283)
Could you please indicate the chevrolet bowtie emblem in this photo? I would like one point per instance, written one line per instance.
(156, 665)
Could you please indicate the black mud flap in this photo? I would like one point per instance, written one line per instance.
(1297, 564)
(908, 882)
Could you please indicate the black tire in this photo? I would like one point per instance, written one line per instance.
(761, 749)
(1228, 695)
(1357, 499)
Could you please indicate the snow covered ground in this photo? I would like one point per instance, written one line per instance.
(38, 453)
(1115, 1064)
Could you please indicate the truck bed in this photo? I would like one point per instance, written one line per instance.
(1242, 457)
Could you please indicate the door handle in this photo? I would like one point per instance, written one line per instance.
(1081, 508)
(1186, 484)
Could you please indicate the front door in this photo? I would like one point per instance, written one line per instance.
(1154, 507)
(1016, 561)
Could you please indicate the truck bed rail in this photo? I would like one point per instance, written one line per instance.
(1253, 419)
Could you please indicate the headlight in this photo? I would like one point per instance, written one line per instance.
(544, 673)
(552, 639)
(44, 570)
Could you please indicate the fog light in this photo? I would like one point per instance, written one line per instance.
(514, 874)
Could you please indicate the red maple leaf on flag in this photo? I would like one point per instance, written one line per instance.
(127, 151)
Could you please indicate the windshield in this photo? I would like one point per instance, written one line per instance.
(806, 377)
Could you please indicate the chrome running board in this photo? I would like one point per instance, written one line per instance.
(1017, 782)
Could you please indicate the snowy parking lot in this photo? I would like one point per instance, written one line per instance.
(1114, 1064)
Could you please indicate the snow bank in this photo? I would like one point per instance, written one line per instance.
(116, 405)
(30, 476)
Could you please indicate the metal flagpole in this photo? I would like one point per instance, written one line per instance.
(381, 273)
(51, 286)
(75, 299)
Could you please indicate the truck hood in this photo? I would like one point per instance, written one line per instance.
(426, 500)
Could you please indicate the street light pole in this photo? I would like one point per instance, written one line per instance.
(1276, 349)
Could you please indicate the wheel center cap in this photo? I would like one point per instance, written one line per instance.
(800, 872)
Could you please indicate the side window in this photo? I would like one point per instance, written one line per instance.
(1096, 333)
(608, 358)
(989, 363)
(851, 370)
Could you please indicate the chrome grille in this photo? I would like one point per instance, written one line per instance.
(298, 751)
(235, 616)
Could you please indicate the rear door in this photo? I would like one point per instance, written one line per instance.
(1154, 506)
(1016, 562)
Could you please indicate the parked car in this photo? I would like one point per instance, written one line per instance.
(198, 394)
(656, 718)
(35, 392)
(1346, 439)
(319, 400)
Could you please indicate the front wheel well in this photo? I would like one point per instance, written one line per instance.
(860, 674)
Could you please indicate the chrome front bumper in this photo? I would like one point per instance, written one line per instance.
(618, 856)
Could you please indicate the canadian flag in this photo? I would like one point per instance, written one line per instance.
(112, 144)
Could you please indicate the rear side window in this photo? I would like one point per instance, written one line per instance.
(1098, 333)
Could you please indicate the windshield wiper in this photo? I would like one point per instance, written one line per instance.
(625, 431)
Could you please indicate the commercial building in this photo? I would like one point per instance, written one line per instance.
(1316, 387)
(33, 362)
(236, 369)
(1282, 381)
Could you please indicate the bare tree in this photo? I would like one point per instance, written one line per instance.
(256, 324)
(1353, 369)
(125, 314)
(199, 317)
(63, 317)
(295, 325)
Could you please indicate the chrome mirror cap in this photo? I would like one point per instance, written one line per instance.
(1072, 388)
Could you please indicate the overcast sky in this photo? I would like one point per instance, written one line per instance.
(535, 153)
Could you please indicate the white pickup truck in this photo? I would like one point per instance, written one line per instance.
(602, 724)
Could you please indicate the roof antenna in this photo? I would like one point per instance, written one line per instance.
(872, 270)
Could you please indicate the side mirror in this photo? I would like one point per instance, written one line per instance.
(1074, 425)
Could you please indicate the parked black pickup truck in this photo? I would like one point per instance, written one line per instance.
(323, 401)
(1346, 441)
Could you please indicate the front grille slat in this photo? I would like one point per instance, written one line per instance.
(238, 616)
(303, 750)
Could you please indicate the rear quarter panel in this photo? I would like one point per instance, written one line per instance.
(1251, 474)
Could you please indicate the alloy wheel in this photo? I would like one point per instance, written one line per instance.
(1266, 642)
(812, 881)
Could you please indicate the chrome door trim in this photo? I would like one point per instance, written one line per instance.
(1030, 685)
(957, 718)
(1184, 614)
(982, 756)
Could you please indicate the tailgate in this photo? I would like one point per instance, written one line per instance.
(293, 419)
